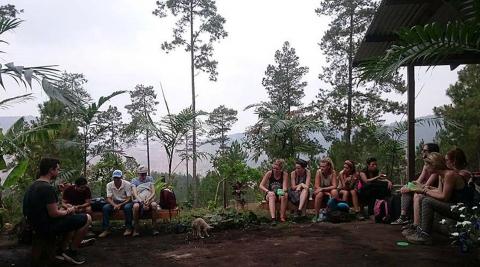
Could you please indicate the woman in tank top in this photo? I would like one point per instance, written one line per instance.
(272, 181)
(325, 184)
(300, 182)
(450, 187)
(347, 179)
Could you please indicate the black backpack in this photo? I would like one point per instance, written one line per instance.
(382, 211)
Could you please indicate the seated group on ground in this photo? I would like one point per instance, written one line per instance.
(443, 182)
(71, 219)
(359, 188)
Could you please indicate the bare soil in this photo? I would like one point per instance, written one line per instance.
(289, 244)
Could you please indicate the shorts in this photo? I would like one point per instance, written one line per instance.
(68, 223)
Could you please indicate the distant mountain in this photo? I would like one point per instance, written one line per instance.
(158, 159)
(7, 121)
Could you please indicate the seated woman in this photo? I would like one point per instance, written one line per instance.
(451, 190)
(347, 180)
(300, 182)
(272, 181)
(325, 185)
(373, 184)
(425, 179)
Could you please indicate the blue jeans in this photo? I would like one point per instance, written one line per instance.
(127, 210)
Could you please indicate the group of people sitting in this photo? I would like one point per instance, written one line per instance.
(71, 218)
(360, 188)
(444, 182)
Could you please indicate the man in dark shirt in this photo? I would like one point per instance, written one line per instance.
(47, 218)
(78, 195)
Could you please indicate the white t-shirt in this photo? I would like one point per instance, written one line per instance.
(119, 194)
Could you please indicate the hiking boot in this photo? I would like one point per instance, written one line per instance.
(402, 220)
(104, 234)
(127, 232)
(410, 230)
(419, 238)
(72, 256)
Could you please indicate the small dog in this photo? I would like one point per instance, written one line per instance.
(199, 227)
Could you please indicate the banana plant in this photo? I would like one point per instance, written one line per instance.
(15, 143)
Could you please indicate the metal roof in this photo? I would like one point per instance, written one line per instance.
(393, 15)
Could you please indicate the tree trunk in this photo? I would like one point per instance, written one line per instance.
(85, 151)
(148, 152)
(194, 126)
(186, 164)
(224, 194)
(348, 131)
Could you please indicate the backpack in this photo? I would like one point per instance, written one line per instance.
(382, 211)
(168, 200)
(97, 203)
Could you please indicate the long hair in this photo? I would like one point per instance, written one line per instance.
(458, 156)
(437, 161)
(328, 161)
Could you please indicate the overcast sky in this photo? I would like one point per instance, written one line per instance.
(116, 44)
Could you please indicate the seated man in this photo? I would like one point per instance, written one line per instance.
(78, 196)
(119, 196)
(48, 219)
(144, 199)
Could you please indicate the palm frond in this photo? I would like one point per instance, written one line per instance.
(6, 103)
(428, 44)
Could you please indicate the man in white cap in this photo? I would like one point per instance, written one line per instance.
(119, 196)
(144, 199)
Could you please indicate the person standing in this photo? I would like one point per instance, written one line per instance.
(143, 190)
(48, 219)
(119, 197)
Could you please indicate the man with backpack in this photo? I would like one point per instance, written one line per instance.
(144, 199)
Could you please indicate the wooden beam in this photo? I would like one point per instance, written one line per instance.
(380, 38)
(409, 2)
(411, 123)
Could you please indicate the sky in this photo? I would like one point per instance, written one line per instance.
(116, 44)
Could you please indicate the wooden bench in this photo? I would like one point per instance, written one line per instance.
(165, 215)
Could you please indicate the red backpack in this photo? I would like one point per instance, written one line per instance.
(168, 200)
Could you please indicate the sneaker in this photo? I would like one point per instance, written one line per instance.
(400, 221)
(322, 217)
(155, 232)
(412, 229)
(104, 234)
(87, 242)
(273, 222)
(72, 256)
(58, 255)
(135, 233)
(360, 216)
(127, 232)
(419, 238)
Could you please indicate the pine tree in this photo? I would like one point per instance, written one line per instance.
(220, 122)
(350, 104)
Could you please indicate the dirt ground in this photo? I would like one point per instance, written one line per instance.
(290, 244)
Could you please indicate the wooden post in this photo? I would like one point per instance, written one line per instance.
(411, 123)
